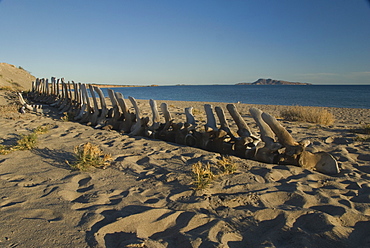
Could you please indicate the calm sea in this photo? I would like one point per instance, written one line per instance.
(342, 96)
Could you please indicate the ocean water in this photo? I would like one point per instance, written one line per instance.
(341, 96)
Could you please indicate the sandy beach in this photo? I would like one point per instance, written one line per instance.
(145, 197)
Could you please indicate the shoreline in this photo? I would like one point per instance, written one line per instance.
(146, 198)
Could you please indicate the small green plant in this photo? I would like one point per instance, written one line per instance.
(42, 129)
(88, 155)
(202, 175)
(226, 165)
(26, 141)
(5, 149)
(308, 114)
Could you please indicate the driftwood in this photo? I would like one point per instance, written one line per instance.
(274, 145)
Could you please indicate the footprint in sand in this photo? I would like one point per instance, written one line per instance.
(152, 227)
(81, 192)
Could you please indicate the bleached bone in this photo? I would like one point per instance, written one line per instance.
(165, 133)
(39, 92)
(52, 95)
(35, 108)
(243, 129)
(221, 117)
(86, 99)
(246, 144)
(211, 121)
(127, 116)
(224, 135)
(93, 119)
(269, 152)
(104, 111)
(140, 127)
(68, 104)
(155, 120)
(64, 96)
(76, 102)
(84, 107)
(189, 116)
(212, 139)
(296, 154)
(59, 96)
(166, 113)
(115, 113)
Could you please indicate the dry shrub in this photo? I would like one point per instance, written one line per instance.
(226, 165)
(308, 114)
(88, 155)
(202, 175)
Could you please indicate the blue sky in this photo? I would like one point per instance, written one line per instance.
(188, 42)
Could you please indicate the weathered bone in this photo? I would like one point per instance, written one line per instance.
(140, 127)
(89, 110)
(128, 117)
(246, 144)
(155, 121)
(243, 129)
(189, 116)
(93, 120)
(59, 96)
(269, 152)
(215, 139)
(35, 108)
(296, 154)
(211, 121)
(104, 111)
(113, 122)
(165, 133)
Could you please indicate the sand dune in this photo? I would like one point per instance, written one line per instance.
(145, 198)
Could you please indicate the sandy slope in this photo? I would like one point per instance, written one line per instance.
(145, 199)
(14, 77)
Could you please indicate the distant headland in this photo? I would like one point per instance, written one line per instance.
(270, 81)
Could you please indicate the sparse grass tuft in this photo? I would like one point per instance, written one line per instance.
(5, 149)
(26, 142)
(202, 175)
(226, 165)
(308, 114)
(366, 128)
(88, 155)
(6, 88)
(42, 129)
(364, 132)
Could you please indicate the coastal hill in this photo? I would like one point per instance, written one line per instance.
(270, 81)
(15, 78)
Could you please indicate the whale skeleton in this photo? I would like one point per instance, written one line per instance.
(274, 145)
